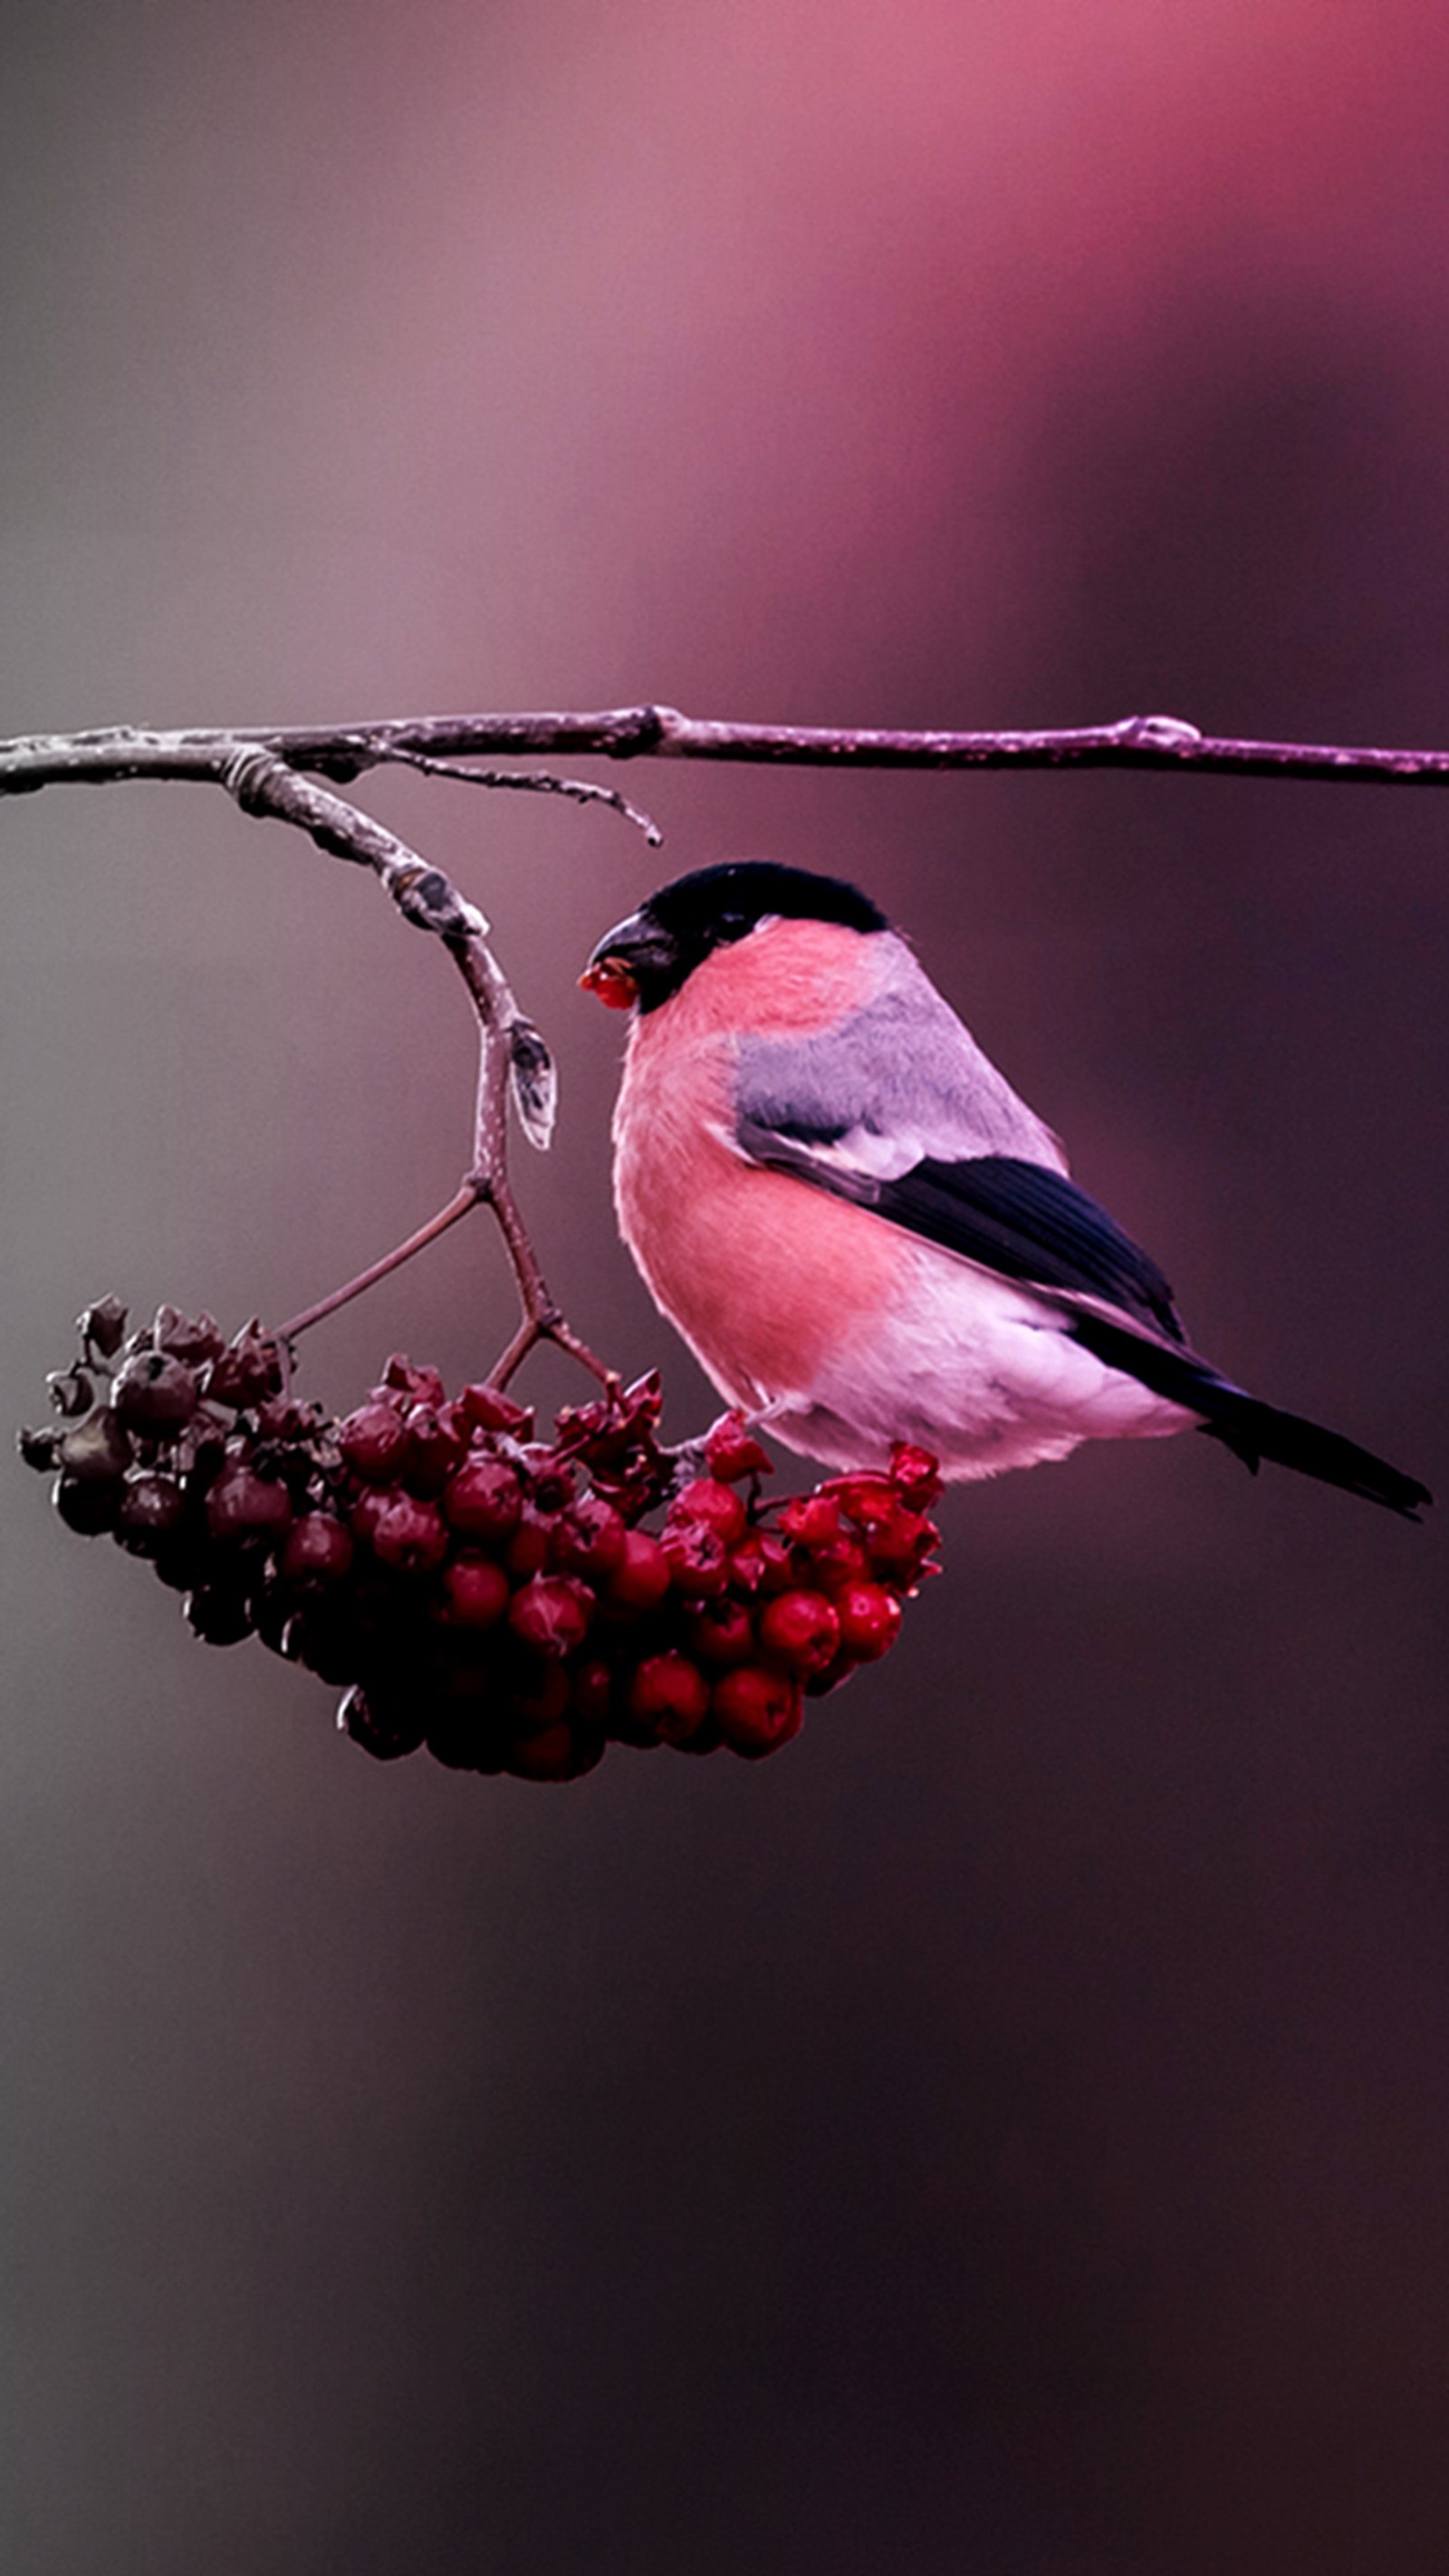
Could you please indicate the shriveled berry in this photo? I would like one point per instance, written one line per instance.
(589, 1538)
(732, 1452)
(218, 1614)
(243, 1505)
(762, 1563)
(488, 1409)
(85, 1505)
(870, 1620)
(799, 1630)
(484, 1499)
(97, 1452)
(102, 1327)
(319, 1549)
(825, 1569)
(813, 1520)
(409, 1534)
(193, 1338)
(670, 1696)
(152, 1511)
(641, 1578)
(915, 1474)
(71, 1392)
(281, 1419)
(552, 1481)
(723, 1632)
(40, 1448)
(155, 1393)
(699, 1565)
(551, 1613)
(709, 1505)
(756, 1710)
(472, 1591)
(374, 1442)
(247, 1371)
(420, 1384)
(384, 1725)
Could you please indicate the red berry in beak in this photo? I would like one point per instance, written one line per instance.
(611, 980)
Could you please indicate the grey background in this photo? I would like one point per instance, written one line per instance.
(1006, 2134)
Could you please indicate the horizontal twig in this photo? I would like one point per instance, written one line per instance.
(344, 752)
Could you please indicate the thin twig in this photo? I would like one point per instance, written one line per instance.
(512, 1054)
(465, 1198)
(543, 782)
(342, 752)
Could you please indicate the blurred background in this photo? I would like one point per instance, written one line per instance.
(1007, 2133)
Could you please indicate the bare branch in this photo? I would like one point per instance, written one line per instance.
(344, 752)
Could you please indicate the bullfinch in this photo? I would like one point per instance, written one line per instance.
(861, 1232)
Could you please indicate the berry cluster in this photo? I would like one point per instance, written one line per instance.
(490, 1595)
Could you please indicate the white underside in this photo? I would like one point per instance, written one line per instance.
(979, 1372)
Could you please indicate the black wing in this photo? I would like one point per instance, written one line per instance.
(1020, 1219)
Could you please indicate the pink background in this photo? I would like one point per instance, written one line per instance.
(1008, 2133)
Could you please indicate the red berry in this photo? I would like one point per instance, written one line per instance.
(217, 1614)
(708, 1505)
(699, 1565)
(542, 1694)
(799, 1630)
(473, 1592)
(240, 1504)
(384, 1723)
(589, 1538)
(85, 1505)
(870, 1620)
(670, 1695)
(484, 1498)
(555, 1752)
(155, 1393)
(436, 1448)
(318, 1549)
(152, 1510)
(551, 1613)
(531, 1545)
(641, 1578)
(374, 1441)
(409, 1534)
(593, 1690)
(723, 1632)
(756, 1710)
(732, 1452)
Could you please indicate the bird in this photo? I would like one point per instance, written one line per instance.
(861, 1232)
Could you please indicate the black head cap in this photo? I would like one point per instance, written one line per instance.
(663, 942)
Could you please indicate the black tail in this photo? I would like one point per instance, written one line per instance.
(1251, 1429)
